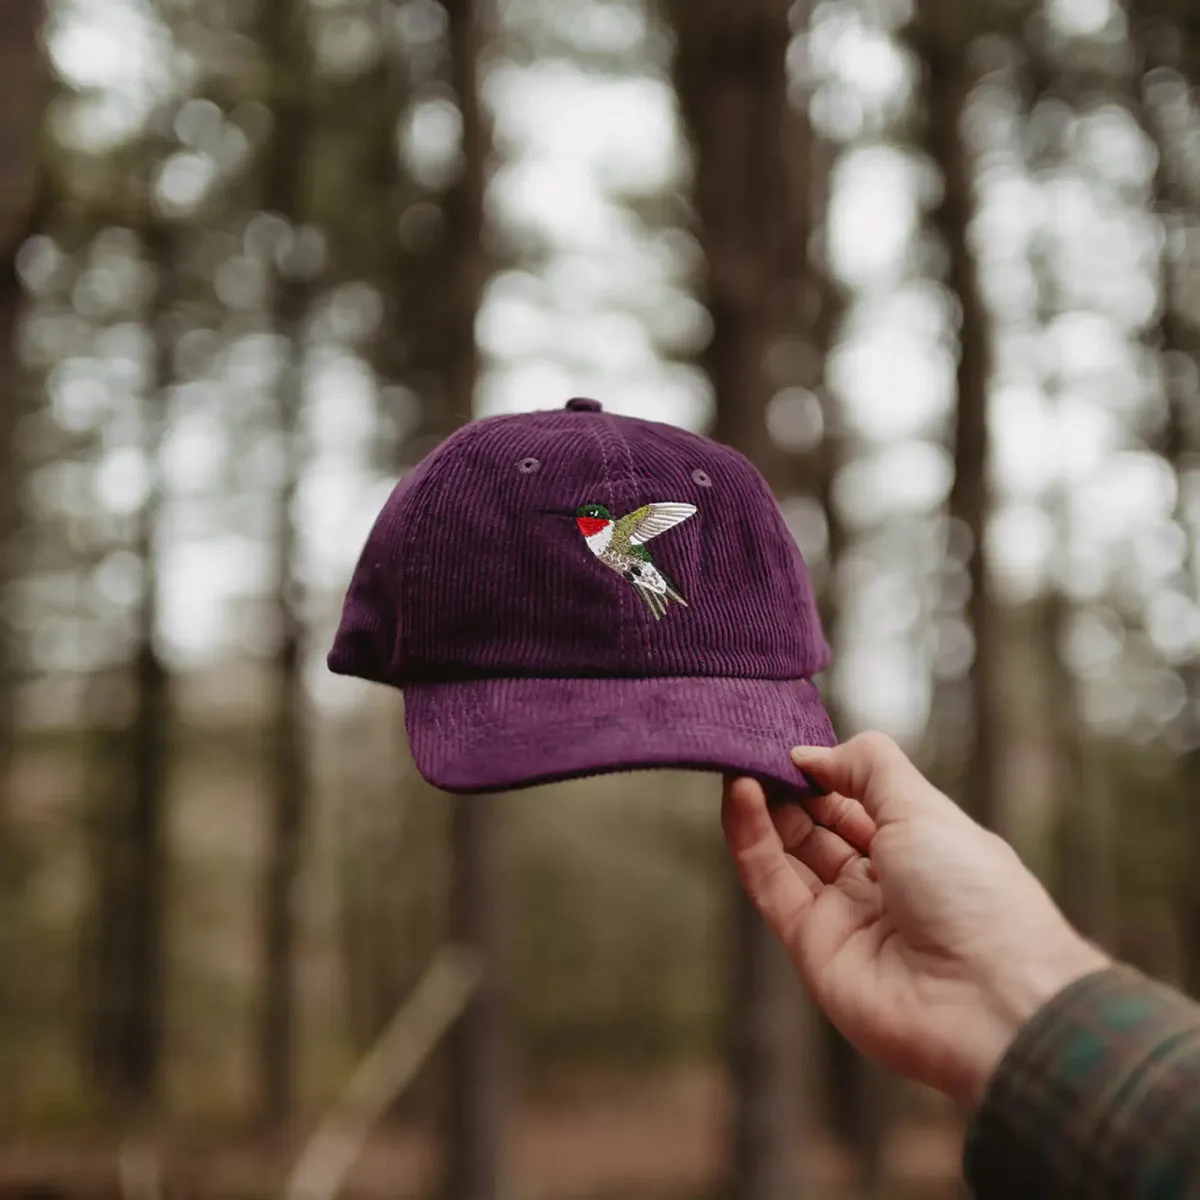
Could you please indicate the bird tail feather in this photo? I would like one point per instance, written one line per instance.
(658, 602)
(654, 602)
(673, 593)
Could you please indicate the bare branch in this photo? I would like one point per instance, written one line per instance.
(409, 1039)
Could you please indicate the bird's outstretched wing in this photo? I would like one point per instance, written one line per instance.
(652, 519)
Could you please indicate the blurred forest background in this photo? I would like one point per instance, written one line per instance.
(935, 266)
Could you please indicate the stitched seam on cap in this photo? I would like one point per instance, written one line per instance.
(797, 601)
(411, 481)
(663, 435)
(594, 430)
(632, 478)
(438, 465)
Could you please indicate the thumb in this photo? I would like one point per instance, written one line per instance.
(873, 770)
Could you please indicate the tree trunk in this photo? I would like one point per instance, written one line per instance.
(23, 65)
(10, 504)
(942, 42)
(1177, 345)
(126, 986)
(479, 1066)
(285, 43)
(1079, 799)
(1085, 860)
(290, 782)
(467, 262)
(444, 297)
(144, 1018)
(480, 1074)
(859, 1097)
(764, 1060)
(103, 944)
(1084, 857)
(730, 78)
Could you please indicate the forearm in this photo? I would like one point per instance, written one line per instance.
(1098, 1096)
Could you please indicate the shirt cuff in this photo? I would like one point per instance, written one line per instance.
(1098, 1096)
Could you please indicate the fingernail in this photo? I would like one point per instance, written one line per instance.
(801, 754)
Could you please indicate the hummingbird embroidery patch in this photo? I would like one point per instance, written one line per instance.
(621, 546)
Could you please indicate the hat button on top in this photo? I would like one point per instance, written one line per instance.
(582, 404)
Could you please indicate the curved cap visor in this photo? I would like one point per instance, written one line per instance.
(494, 735)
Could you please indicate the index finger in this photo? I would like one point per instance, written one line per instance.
(873, 770)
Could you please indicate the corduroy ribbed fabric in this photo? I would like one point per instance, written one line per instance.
(525, 658)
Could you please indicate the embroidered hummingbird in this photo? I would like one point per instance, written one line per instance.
(621, 546)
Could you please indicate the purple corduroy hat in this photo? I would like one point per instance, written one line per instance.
(571, 593)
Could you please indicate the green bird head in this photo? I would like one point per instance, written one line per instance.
(596, 512)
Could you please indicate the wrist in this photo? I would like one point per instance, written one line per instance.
(1016, 995)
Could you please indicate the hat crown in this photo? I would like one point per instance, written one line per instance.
(476, 568)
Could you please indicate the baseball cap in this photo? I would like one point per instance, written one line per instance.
(570, 592)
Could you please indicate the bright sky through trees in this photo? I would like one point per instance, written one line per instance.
(1067, 396)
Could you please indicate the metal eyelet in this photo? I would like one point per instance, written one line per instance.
(702, 478)
(527, 466)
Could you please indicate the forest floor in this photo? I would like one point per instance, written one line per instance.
(658, 1138)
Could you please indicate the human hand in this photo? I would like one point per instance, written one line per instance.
(922, 935)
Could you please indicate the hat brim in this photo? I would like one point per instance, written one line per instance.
(491, 735)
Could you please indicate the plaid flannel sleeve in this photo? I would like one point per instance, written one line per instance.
(1098, 1096)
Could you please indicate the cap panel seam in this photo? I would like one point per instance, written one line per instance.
(798, 600)
(408, 537)
(632, 478)
(594, 430)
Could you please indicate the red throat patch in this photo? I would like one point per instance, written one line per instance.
(590, 525)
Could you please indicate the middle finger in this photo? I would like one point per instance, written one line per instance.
(824, 852)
